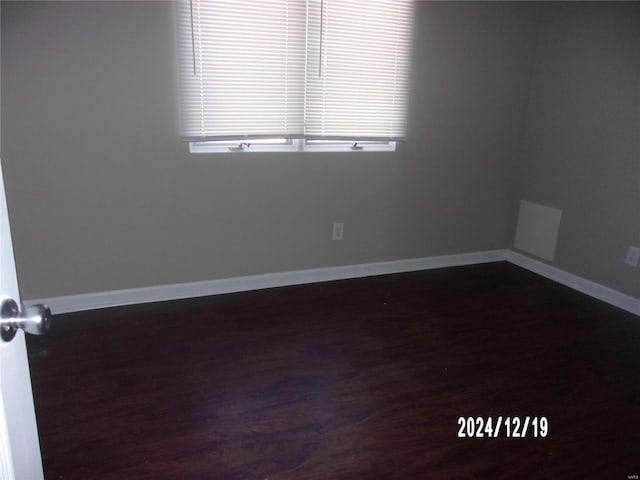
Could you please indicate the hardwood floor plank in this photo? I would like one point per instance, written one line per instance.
(354, 379)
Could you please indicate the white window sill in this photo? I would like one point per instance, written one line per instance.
(294, 145)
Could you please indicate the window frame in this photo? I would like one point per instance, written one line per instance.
(290, 145)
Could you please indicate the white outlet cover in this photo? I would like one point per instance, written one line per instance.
(633, 256)
(338, 231)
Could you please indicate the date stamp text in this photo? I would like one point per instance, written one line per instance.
(508, 427)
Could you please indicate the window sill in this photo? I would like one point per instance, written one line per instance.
(294, 145)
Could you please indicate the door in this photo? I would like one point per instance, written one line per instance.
(19, 446)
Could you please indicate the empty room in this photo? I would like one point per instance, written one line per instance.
(319, 239)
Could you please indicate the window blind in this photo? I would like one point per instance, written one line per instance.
(358, 69)
(321, 69)
(242, 68)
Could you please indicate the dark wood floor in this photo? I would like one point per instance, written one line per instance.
(357, 379)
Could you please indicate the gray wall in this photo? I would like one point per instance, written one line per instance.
(581, 149)
(103, 195)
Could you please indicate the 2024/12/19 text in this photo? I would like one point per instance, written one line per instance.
(509, 427)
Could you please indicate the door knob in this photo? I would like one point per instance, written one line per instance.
(35, 319)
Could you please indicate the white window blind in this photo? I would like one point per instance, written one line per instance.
(242, 68)
(320, 69)
(358, 69)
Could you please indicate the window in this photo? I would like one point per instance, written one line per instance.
(312, 75)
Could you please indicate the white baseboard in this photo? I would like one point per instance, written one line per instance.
(606, 294)
(115, 298)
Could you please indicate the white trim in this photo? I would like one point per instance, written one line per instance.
(593, 289)
(246, 146)
(289, 145)
(90, 301)
(115, 298)
(347, 146)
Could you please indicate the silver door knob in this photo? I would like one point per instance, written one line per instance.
(35, 319)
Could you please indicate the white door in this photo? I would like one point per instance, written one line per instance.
(19, 446)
